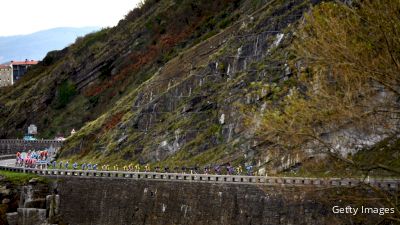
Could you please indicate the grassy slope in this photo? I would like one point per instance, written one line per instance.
(139, 45)
(100, 140)
(19, 178)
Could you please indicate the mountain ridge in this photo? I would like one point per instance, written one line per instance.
(36, 45)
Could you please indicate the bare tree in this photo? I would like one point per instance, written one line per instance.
(349, 59)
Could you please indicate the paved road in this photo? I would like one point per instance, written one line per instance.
(8, 164)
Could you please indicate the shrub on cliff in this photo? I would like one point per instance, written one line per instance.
(65, 93)
(350, 66)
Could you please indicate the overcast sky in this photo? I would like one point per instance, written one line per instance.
(28, 16)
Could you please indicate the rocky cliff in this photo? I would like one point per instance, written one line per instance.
(179, 75)
(192, 110)
(182, 82)
(27, 200)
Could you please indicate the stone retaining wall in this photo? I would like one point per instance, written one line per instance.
(12, 146)
(116, 197)
(93, 201)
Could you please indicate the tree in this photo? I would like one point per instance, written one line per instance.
(348, 58)
(352, 57)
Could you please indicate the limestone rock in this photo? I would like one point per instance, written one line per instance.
(12, 218)
(52, 206)
(31, 216)
(35, 203)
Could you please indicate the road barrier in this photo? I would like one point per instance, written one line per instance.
(207, 178)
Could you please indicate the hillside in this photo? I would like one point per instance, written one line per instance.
(35, 46)
(212, 82)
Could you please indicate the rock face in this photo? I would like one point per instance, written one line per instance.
(193, 108)
(102, 67)
(12, 218)
(31, 216)
(158, 89)
(28, 204)
(52, 206)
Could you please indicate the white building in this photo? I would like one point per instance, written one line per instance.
(13, 71)
(6, 75)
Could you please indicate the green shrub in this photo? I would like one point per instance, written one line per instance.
(65, 93)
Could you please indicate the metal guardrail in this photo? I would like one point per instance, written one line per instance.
(205, 178)
(3, 157)
(13, 141)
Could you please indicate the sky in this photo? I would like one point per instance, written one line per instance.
(28, 16)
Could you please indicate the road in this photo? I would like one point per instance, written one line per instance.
(9, 165)
(7, 162)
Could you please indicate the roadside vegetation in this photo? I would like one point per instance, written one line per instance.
(19, 178)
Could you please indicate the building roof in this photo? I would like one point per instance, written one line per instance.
(26, 62)
(5, 67)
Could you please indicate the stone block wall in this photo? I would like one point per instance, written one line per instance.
(123, 201)
(118, 201)
(12, 146)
